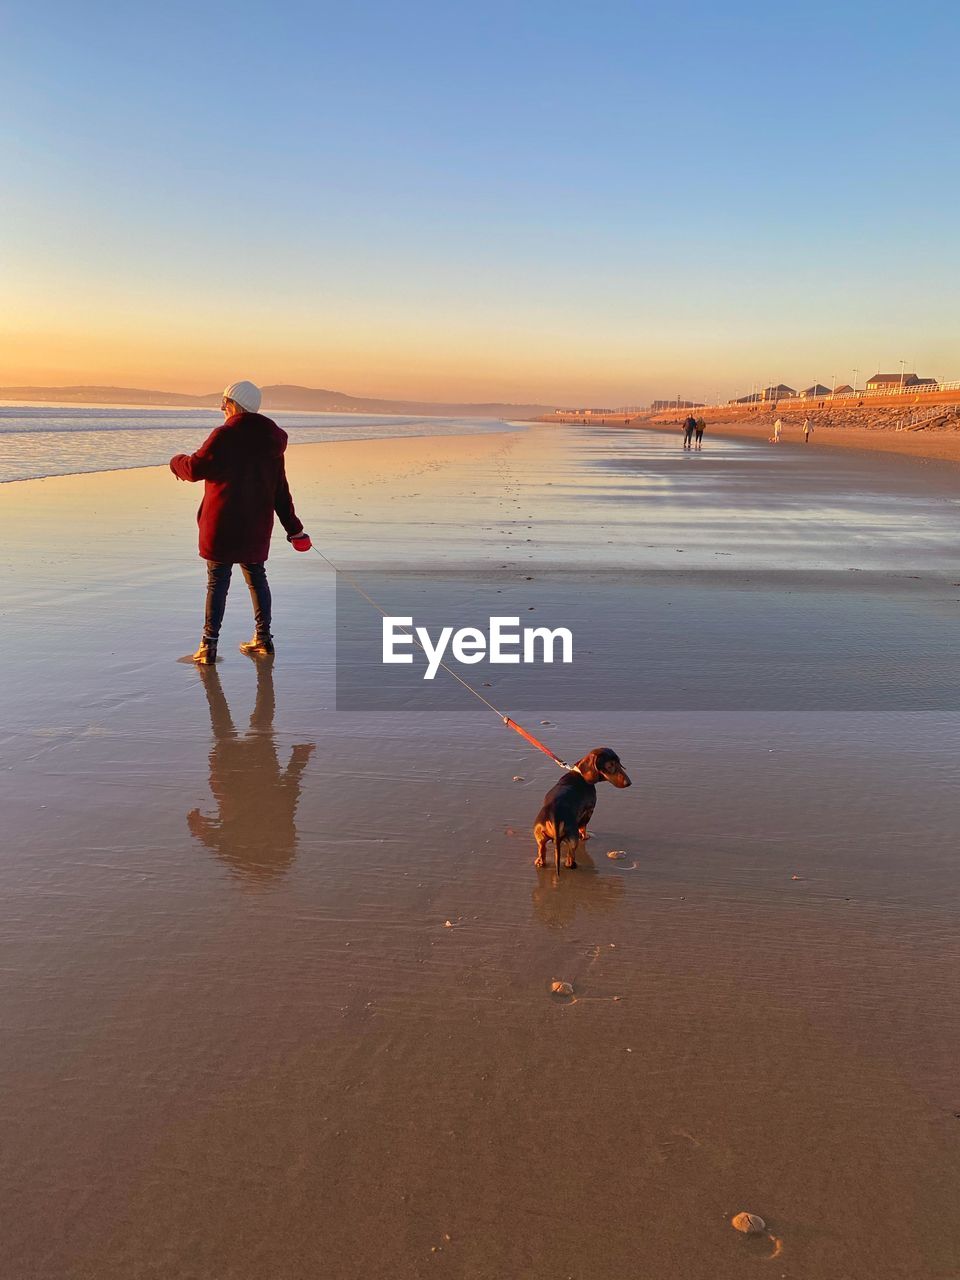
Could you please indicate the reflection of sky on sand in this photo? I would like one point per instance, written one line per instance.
(754, 506)
(558, 899)
(628, 498)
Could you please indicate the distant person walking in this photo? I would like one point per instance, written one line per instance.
(807, 430)
(245, 483)
(777, 429)
(700, 427)
(689, 426)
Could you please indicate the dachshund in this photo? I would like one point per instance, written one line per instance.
(569, 806)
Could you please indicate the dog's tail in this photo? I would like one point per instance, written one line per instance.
(559, 831)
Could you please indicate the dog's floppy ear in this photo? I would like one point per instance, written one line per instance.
(588, 767)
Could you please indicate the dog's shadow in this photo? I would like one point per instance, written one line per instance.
(557, 899)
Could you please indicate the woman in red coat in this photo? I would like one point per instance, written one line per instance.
(241, 465)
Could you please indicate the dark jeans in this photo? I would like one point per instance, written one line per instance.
(218, 584)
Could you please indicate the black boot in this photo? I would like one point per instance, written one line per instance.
(206, 655)
(258, 647)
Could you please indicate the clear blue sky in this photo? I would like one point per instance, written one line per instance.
(541, 201)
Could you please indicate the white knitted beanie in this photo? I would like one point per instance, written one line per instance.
(245, 394)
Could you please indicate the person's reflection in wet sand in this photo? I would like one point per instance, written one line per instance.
(254, 831)
(557, 899)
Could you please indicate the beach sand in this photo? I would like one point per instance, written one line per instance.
(929, 445)
(241, 1039)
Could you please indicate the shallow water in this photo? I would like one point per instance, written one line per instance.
(39, 440)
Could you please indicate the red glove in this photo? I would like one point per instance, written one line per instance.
(302, 541)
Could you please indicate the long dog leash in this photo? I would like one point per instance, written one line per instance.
(505, 719)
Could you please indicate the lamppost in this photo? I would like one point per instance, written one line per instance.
(902, 363)
(855, 372)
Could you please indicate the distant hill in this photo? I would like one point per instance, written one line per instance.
(302, 399)
(109, 395)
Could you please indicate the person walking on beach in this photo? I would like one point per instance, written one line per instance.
(807, 430)
(777, 428)
(245, 483)
(700, 424)
(689, 426)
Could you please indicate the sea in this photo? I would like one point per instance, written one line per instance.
(54, 440)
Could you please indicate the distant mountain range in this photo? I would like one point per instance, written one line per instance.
(282, 396)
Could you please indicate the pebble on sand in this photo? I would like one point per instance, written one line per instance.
(561, 988)
(749, 1223)
(617, 853)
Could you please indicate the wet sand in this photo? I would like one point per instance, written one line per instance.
(241, 1040)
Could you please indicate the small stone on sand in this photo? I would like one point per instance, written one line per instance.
(749, 1223)
(616, 853)
(561, 988)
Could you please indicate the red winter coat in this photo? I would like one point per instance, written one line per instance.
(241, 465)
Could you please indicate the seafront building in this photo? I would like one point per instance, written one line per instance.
(893, 381)
(815, 392)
